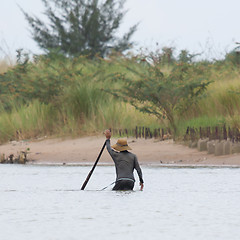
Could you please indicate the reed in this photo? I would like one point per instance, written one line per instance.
(26, 121)
(65, 97)
(5, 64)
(220, 99)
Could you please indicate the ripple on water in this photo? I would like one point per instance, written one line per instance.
(45, 202)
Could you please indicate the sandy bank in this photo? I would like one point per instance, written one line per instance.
(86, 149)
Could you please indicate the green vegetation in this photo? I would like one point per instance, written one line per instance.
(164, 95)
(81, 27)
(57, 96)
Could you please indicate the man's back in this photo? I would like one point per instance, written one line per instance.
(125, 163)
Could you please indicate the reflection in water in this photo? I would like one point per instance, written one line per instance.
(45, 202)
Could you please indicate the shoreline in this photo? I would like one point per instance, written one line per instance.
(84, 151)
(159, 165)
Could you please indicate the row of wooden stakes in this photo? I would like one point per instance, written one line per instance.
(143, 132)
(213, 133)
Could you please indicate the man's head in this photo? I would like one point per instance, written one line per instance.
(121, 145)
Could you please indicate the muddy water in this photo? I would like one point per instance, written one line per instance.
(45, 203)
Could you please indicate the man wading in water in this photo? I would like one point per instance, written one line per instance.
(125, 163)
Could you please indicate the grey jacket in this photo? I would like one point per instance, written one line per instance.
(125, 163)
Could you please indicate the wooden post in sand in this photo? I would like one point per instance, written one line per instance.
(224, 132)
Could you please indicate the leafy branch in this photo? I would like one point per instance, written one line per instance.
(165, 95)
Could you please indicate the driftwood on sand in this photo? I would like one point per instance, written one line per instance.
(20, 158)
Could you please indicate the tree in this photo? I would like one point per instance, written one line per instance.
(165, 95)
(81, 27)
(186, 57)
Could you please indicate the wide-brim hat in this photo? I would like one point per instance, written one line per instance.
(121, 145)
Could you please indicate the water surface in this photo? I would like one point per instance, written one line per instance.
(46, 203)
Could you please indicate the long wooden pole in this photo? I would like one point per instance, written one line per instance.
(95, 164)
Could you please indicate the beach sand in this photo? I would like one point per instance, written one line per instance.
(86, 149)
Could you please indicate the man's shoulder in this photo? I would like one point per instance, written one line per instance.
(132, 154)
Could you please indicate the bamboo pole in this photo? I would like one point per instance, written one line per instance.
(95, 164)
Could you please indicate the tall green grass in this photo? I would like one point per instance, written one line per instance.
(85, 107)
(220, 99)
(3, 66)
(27, 121)
(65, 97)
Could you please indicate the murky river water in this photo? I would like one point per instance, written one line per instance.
(45, 203)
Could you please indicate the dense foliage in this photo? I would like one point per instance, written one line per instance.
(81, 27)
(55, 95)
(165, 95)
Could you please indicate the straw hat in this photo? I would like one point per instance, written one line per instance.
(121, 145)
